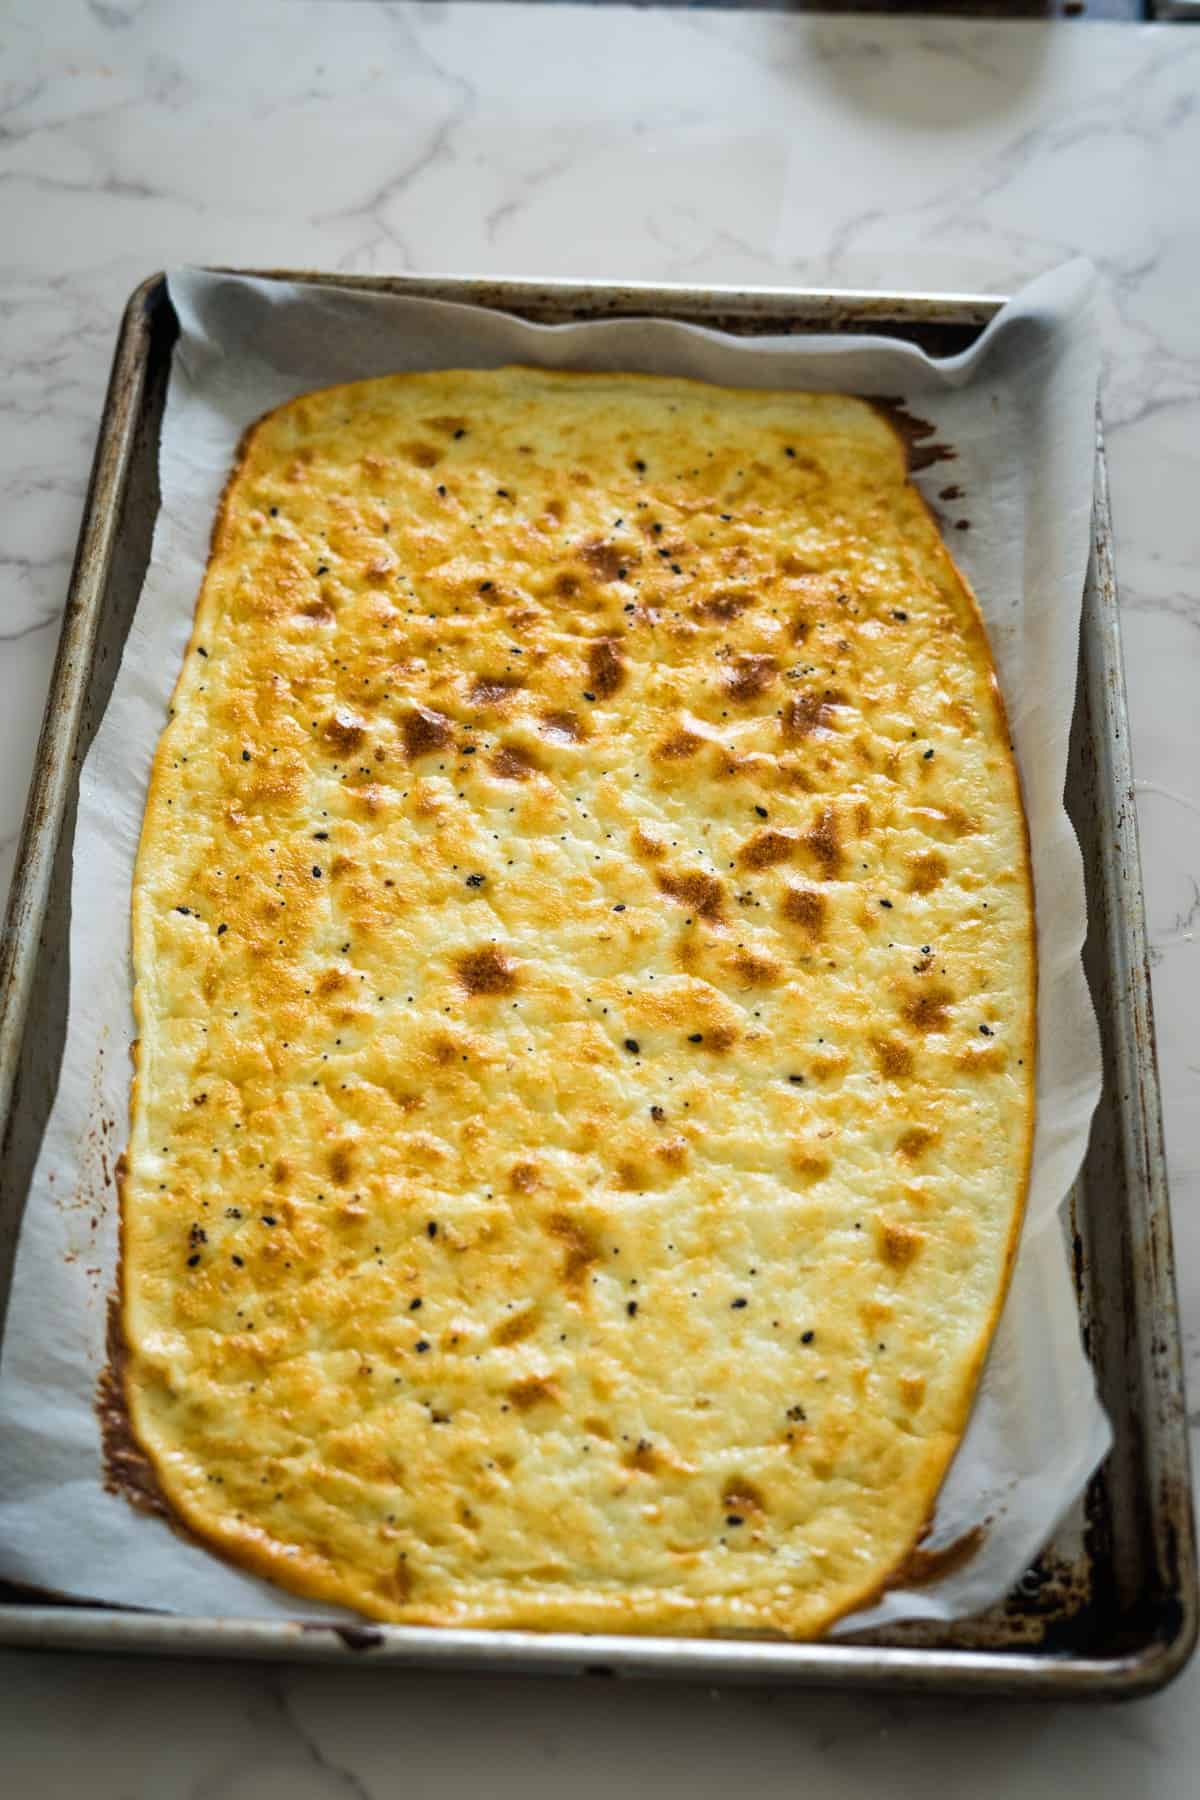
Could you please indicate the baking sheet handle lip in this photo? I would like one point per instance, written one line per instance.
(910, 303)
(58, 739)
(982, 1673)
(1172, 1519)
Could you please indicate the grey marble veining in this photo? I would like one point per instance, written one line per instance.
(591, 141)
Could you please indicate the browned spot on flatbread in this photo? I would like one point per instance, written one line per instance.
(603, 559)
(581, 1247)
(742, 1497)
(345, 730)
(516, 1327)
(895, 1059)
(702, 893)
(808, 1165)
(424, 456)
(511, 763)
(926, 871)
(646, 845)
(912, 1390)
(341, 1164)
(534, 1391)
(766, 848)
(749, 676)
(722, 607)
(673, 1152)
(913, 1143)
(490, 691)
(928, 1008)
(487, 971)
(678, 746)
(754, 970)
(560, 727)
(823, 841)
(400, 1583)
(381, 566)
(899, 1245)
(425, 730)
(948, 821)
(807, 908)
(606, 669)
(523, 1177)
(807, 715)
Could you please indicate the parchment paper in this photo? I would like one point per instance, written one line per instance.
(1018, 409)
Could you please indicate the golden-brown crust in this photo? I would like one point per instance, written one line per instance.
(543, 629)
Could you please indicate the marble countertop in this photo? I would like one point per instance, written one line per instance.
(692, 145)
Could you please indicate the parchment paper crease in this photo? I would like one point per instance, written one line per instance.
(1018, 409)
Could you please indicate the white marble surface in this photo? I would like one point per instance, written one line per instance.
(571, 140)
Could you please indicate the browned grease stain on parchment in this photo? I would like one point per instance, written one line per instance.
(923, 1566)
(916, 434)
(126, 1469)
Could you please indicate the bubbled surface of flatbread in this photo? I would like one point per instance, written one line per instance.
(584, 972)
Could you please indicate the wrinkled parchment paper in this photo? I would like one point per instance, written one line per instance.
(1018, 409)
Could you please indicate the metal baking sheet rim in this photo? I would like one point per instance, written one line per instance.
(1153, 1657)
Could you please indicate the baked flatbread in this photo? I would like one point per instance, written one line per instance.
(585, 980)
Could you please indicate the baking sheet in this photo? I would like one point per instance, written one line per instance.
(1018, 409)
